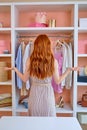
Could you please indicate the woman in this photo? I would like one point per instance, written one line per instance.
(40, 67)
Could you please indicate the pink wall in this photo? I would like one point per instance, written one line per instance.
(82, 14)
(5, 42)
(62, 18)
(5, 18)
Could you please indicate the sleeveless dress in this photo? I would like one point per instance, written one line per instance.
(41, 100)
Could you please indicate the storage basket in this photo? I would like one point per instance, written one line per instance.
(3, 73)
(82, 117)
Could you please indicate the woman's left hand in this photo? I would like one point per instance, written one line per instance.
(75, 68)
(8, 68)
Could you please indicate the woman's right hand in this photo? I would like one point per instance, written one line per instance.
(9, 68)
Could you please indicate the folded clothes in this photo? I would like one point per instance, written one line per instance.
(5, 104)
(82, 78)
(6, 100)
(4, 95)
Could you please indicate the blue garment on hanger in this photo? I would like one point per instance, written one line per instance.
(19, 65)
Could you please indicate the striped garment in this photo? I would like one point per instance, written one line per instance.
(41, 99)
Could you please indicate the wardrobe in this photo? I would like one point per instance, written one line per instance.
(17, 22)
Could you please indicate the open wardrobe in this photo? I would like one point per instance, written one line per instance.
(65, 24)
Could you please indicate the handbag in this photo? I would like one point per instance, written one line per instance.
(84, 100)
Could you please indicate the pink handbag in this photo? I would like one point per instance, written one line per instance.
(41, 17)
(40, 20)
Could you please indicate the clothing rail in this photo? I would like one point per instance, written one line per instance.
(33, 36)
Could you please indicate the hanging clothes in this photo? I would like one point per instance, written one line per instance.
(25, 57)
(67, 62)
(58, 54)
(23, 52)
(23, 89)
(19, 65)
(68, 79)
(64, 65)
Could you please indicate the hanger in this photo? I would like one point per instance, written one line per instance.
(31, 40)
(58, 44)
(66, 41)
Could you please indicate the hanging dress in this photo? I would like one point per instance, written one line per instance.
(59, 57)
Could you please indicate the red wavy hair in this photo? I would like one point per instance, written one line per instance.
(42, 59)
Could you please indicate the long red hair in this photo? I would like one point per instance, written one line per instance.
(42, 59)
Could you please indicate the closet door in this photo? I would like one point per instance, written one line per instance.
(82, 57)
(57, 21)
(5, 59)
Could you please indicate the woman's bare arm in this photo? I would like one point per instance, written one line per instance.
(24, 77)
(58, 79)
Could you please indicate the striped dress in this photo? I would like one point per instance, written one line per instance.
(41, 99)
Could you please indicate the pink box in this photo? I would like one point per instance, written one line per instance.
(82, 47)
(83, 22)
(38, 25)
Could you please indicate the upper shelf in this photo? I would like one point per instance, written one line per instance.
(25, 14)
(55, 30)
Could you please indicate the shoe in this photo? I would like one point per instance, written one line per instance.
(60, 103)
(22, 98)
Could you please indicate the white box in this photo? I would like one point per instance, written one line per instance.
(83, 22)
(82, 118)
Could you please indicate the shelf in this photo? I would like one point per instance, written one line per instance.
(82, 55)
(53, 11)
(5, 30)
(81, 84)
(5, 55)
(6, 108)
(81, 109)
(82, 30)
(9, 82)
(67, 109)
(21, 108)
(49, 30)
